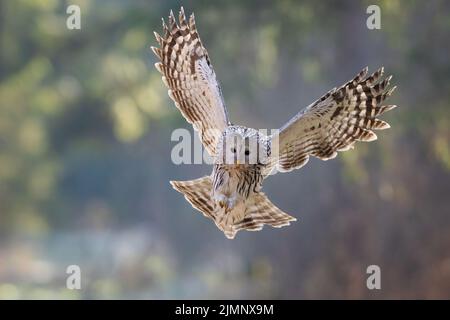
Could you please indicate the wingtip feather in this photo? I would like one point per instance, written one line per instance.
(158, 66)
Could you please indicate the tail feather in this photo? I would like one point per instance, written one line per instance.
(198, 193)
(259, 210)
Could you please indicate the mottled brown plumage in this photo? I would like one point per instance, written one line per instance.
(335, 121)
(243, 157)
(187, 72)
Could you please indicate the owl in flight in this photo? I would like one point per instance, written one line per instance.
(243, 157)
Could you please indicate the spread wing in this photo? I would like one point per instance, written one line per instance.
(187, 72)
(334, 122)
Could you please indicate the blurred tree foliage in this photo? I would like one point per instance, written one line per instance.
(85, 127)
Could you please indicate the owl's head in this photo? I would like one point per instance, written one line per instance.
(242, 146)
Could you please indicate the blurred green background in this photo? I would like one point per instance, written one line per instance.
(85, 125)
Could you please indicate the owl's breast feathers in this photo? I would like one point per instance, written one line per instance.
(241, 180)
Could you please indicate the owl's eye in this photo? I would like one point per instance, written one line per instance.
(233, 150)
(247, 152)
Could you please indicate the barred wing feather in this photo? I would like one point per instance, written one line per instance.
(335, 121)
(187, 72)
